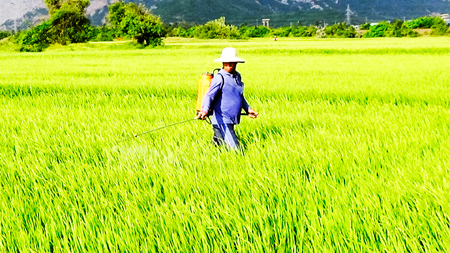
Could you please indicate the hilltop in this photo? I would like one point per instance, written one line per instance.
(281, 12)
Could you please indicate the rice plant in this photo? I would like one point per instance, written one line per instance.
(350, 153)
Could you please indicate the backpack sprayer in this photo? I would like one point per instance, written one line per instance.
(203, 86)
(204, 83)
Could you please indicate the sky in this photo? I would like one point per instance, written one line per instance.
(16, 9)
(10, 9)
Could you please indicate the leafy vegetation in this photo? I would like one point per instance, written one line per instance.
(4, 34)
(365, 26)
(397, 29)
(425, 22)
(350, 153)
(295, 31)
(35, 39)
(254, 31)
(137, 22)
(56, 5)
(67, 24)
(439, 27)
(103, 33)
(340, 30)
(216, 29)
(182, 32)
(405, 29)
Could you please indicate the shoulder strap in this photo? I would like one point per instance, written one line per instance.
(223, 82)
(215, 97)
(221, 88)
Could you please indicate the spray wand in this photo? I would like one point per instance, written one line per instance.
(156, 129)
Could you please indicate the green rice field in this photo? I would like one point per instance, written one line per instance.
(351, 152)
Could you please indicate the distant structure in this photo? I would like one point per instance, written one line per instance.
(446, 18)
(349, 13)
(265, 22)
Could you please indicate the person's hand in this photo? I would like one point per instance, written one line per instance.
(201, 115)
(252, 113)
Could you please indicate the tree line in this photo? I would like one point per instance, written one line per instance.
(397, 28)
(68, 24)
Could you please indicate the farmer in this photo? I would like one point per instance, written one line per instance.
(226, 99)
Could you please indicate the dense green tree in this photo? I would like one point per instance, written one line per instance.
(55, 5)
(182, 32)
(282, 31)
(299, 31)
(294, 31)
(217, 29)
(407, 31)
(378, 30)
(401, 29)
(103, 33)
(397, 29)
(311, 31)
(254, 31)
(67, 24)
(365, 26)
(4, 34)
(35, 39)
(136, 21)
(117, 14)
(440, 28)
(340, 30)
(425, 22)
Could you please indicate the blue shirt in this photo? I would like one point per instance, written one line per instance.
(228, 103)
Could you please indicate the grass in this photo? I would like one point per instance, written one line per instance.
(350, 154)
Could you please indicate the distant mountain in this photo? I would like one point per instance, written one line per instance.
(281, 12)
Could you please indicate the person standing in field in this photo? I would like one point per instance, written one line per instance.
(225, 100)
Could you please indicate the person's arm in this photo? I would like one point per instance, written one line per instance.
(251, 113)
(245, 105)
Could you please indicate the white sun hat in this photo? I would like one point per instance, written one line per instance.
(229, 54)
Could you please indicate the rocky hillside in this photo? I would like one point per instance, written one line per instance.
(281, 12)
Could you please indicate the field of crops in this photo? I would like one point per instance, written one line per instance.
(351, 151)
